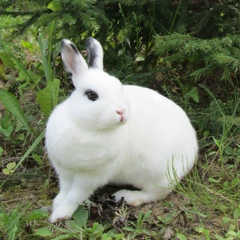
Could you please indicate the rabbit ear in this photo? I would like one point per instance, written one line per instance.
(95, 53)
(72, 59)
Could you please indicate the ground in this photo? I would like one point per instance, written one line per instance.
(177, 214)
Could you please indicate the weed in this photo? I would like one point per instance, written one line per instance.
(15, 223)
(138, 228)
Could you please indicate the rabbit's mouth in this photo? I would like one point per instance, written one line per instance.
(122, 120)
(122, 115)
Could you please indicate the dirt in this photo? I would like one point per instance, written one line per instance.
(175, 214)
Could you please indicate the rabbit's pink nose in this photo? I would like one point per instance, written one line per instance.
(121, 112)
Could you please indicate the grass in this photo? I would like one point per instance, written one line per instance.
(205, 205)
(196, 210)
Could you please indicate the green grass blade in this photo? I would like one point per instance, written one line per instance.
(27, 153)
(11, 103)
(50, 40)
(46, 65)
(30, 149)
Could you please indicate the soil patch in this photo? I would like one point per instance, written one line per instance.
(175, 214)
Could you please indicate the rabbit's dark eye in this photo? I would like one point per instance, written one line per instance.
(93, 96)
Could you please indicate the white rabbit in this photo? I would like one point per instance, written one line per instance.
(106, 132)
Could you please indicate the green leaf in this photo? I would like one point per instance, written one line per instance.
(27, 45)
(37, 214)
(232, 233)
(1, 151)
(193, 93)
(45, 61)
(219, 237)
(47, 98)
(50, 44)
(6, 58)
(11, 165)
(23, 73)
(21, 137)
(106, 237)
(5, 121)
(38, 159)
(6, 171)
(7, 132)
(230, 120)
(236, 213)
(226, 220)
(181, 236)
(129, 229)
(13, 232)
(81, 216)
(66, 236)
(55, 6)
(2, 69)
(43, 232)
(11, 103)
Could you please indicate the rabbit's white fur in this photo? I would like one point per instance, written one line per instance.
(129, 135)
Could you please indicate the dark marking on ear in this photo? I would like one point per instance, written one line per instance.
(91, 60)
(62, 44)
(74, 48)
(71, 45)
(92, 54)
(88, 40)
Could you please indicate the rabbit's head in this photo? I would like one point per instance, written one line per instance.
(99, 101)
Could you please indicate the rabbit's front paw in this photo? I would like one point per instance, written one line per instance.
(63, 211)
(58, 200)
(133, 198)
